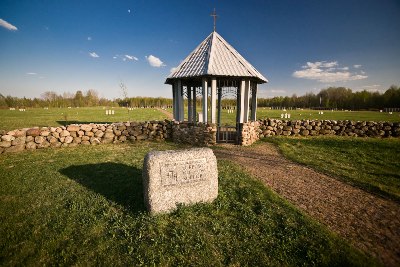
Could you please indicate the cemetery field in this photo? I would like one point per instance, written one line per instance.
(370, 163)
(307, 114)
(15, 119)
(84, 206)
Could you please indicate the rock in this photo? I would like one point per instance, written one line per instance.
(73, 128)
(81, 133)
(39, 139)
(7, 138)
(51, 139)
(56, 135)
(44, 144)
(304, 132)
(33, 132)
(77, 140)
(86, 127)
(5, 144)
(94, 141)
(17, 148)
(108, 135)
(182, 176)
(85, 138)
(30, 146)
(55, 145)
(44, 133)
(20, 133)
(107, 140)
(99, 134)
(65, 133)
(18, 141)
(29, 139)
(90, 134)
(68, 139)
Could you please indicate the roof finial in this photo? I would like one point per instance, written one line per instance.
(214, 14)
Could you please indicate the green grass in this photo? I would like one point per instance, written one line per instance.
(371, 164)
(264, 113)
(14, 119)
(84, 206)
(330, 115)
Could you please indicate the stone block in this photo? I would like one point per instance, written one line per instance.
(183, 176)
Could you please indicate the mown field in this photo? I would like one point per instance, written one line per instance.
(263, 113)
(84, 206)
(14, 119)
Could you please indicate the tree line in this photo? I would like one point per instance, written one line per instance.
(329, 98)
(338, 98)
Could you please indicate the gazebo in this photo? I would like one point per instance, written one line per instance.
(211, 71)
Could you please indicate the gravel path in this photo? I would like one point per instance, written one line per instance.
(369, 222)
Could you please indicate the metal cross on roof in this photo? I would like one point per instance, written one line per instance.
(214, 14)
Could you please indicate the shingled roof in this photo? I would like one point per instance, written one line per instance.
(215, 57)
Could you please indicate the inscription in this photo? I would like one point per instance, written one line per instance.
(182, 172)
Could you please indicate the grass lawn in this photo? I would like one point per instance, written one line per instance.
(263, 113)
(84, 206)
(14, 119)
(369, 163)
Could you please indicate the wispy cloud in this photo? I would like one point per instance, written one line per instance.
(279, 91)
(357, 66)
(7, 25)
(327, 72)
(126, 57)
(89, 38)
(31, 73)
(131, 57)
(155, 61)
(93, 54)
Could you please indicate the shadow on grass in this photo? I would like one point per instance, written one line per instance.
(117, 182)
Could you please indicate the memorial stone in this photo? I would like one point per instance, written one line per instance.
(179, 177)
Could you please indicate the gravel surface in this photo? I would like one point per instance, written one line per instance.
(369, 222)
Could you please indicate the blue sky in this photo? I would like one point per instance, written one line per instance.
(300, 46)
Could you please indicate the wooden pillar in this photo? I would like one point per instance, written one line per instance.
(246, 101)
(181, 113)
(205, 96)
(190, 110)
(194, 104)
(254, 103)
(219, 106)
(174, 97)
(213, 99)
(240, 102)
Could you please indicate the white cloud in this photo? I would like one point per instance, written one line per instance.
(357, 66)
(173, 69)
(327, 72)
(155, 61)
(7, 25)
(131, 57)
(31, 73)
(89, 38)
(129, 11)
(93, 54)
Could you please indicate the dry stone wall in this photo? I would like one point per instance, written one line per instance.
(270, 127)
(200, 134)
(85, 134)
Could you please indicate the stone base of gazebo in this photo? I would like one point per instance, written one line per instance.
(201, 134)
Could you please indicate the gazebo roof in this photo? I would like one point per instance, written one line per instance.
(215, 57)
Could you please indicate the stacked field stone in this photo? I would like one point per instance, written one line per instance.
(270, 127)
(198, 134)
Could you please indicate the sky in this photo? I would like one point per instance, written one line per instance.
(300, 46)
